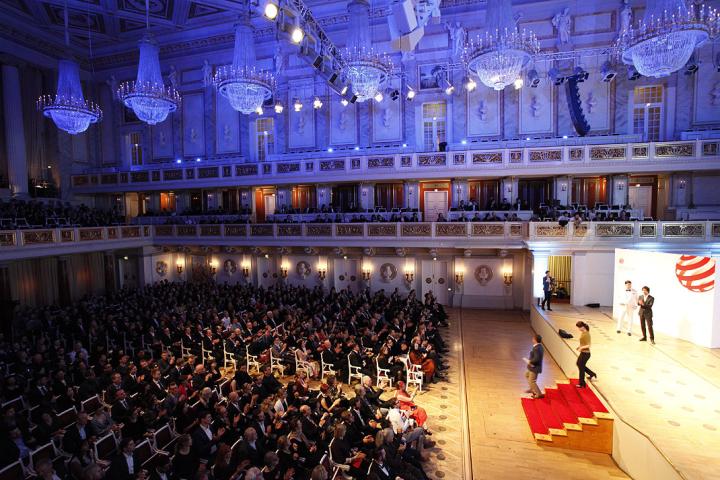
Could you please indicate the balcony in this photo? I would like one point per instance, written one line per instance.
(533, 235)
(531, 160)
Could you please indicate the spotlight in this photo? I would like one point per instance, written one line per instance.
(297, 34)
(317, 103)
(259, 110)
(463, 141)
(344, 102)
(469, 84)
(271, 10)
(410, 93)
(178, 161)
(379, 97)
(279, 107)
(344, 90)
(197, 159)
(404, 145)
(580, 74)
(608, 72)
(518, 84)
(449, 88)
(555, 76)
(533, 78)
(330, 150)
(394, 94)
(692, 65)
(632, 73)
(356, 148)
(297, 104)
(333, 76)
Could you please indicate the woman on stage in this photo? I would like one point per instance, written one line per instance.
(584, 349)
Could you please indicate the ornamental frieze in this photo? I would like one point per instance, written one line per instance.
(613, 230)
(607, 153)
(130, 232)
(648, 230)
(710, 149)
(545, 155)
(381, 162)
(189, 173)
(88, 234)
(491, 157)
(309, 166)
(235, 230)
(7, 239)
(267, 168)
(288, 167)
(245, 170)
(67, 235)
(173, 174)
(550, 230)
(675, 150)
(432, 160)
(209, 230)
(459, 159)
(715, 230)
(36, 237)
(186, 231)
(488, 229)
(227, 171)
(112, 233)
(684, 230)
(382, 230)
(577, 154)
(123, 177)
(332, 165)
(355, 163)
(138, 177)
(516, 230)
(580, 231)
(164, 230)
(416, 229)
(261, 230)
(640, 151)
(289, 230)
(349, 230)
(155, 175)
(516, 156)
(318, 230)
(406, 161)
(450, 229)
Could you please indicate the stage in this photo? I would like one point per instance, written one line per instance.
(668, 393)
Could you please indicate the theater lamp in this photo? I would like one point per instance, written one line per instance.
(322, 272)
(284, 270)
(245, 266)
(366, 273)
(459, 275)
(409, 275)
(213, 266)
(507, 277)
(179, 267)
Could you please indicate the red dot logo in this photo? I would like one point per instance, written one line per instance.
(697, 274)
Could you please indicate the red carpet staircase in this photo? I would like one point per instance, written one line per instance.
(570, 417)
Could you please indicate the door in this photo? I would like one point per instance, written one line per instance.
(641, 199)
(435, 280)
(435, 203)
(269, 203)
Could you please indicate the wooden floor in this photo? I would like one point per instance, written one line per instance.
(669, 391)
(501, 445)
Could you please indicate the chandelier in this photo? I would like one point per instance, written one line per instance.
(245, 87)
(665, 39)
(365, 69)
(148, 96)
(498, 56)
(68, 109)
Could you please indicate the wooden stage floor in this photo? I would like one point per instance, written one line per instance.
(669, 391)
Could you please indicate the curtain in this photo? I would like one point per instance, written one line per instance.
(560, 267)
(389, 195)
(86, 274)
(33, 282)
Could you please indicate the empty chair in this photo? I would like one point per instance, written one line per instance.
(91, 404)
(228, 358)
(251, 360)
(325, 368)
(354, 371)
(143, 452)
(14, 471)
(164, 439)
(414, 374)
(16, 403)
(276, 364)
(185, 351)
(66, 418)
(45, 451)
(105, 447)
(383, 376)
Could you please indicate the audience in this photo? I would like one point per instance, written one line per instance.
(22, 214)
(155, 356)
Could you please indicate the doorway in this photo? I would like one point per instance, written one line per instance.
(435, 279)
(436, 202)
(269, 203)
(640, 198)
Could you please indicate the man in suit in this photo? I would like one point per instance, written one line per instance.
(547, 290)
(76, 433)
(534, 367)
(646, 301)
(124, 466)
(629, 304)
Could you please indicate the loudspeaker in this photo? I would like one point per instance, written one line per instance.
(582, 127)
(593, 305)
(403, 14)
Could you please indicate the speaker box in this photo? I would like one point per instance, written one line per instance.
(403, 14)
(582, 127)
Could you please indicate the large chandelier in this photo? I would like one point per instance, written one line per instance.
(498, 56)
(665, 39)
(245, 87)
(365, 69)
(148, 96)
(69, 109)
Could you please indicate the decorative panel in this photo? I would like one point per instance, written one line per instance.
(164, 230)
(675, 149)
(261, 230)
(355, 163)
(209, 230)
(450, 229)
(382, 229)
(648, 230)
(318, 230)
(381, 162)
(7, 239)
(208, 172)
(488, 229)
(406, 161)
(458, 159)
(109, 179)
(550, 230)
(193, 121)
(486, 157)
(684, 230)
(387, 121)
(139, 177)
(640, 151)
(545, 155)
(332, 165)
(536, 109)
(162, 139)
(67, 235)
(516, 156)
(613, 230)
(291, 230)
(89, 234)
(349, 230)
(343, 123)
(577, 154)
(186, 231)
(438, 160)
(227, 126)
(235, 230)
(483, 112)
(710, 149)
(288, 167)
(607, 153)
(245, 170)
(130, 232)
(416, 229)
(35, 237)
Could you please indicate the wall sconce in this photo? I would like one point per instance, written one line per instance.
(179, 267)
(621, 186)
(366, 273)
(409, 275)
(507, 278)
(681, 184)
(284, 270)
(459, 275)
(213, 266)
(245, 269)
(322, 272)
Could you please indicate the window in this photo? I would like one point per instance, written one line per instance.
(433, 125)
(648, 112)
(265, 138)
(136, 150)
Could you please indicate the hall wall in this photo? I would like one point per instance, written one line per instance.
(592, 278)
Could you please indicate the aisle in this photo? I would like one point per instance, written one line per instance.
(501, 445)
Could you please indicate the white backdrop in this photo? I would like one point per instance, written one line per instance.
(678, 311)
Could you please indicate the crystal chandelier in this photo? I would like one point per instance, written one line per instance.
(148, 96)
(245, 87)
(498, 56)
(366, 69)
(666, 37)
(69, 109)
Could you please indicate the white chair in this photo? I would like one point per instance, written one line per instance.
(325, 368)
(207, 355)
(185, 351)
(353, 371)
(414, 374)
(276, 364)
(383, 376)
(105, 447)
(229, 358)
(45, 451)
(14, 471)
(164, 439)
(301, 365)
(251, 360)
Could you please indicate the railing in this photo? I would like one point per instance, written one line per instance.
(44, 237)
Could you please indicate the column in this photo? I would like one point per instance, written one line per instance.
(540, 265)
(618, 189)
(411, 194)
(508, 190)
(246, 196)
(367, 196)
(323, 196)
(284, 198)
(14, 132)
(460, 190)
(562, 190)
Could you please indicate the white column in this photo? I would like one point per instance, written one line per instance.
(540, 265)
(367, 196)
(411, 192)
(459, 192)
(509, 190)
(284, 198)
(323, 195)
(562, 190)
(14, 132)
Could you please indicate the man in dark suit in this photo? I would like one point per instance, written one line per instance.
(646, 302)
(548, 282)
(76, 433)
(204, 440)
(534, 367)
(124, 466)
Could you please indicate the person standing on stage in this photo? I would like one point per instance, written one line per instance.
(629, 304)
(548, 283)
(584, 349)
(646, 302)
(534, 367)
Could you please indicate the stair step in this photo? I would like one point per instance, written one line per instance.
(562, 409)
(537, 427)
(578, 407)
(551, 420)
(591, 400)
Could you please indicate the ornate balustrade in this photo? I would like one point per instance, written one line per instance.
(658, 156)
(698, 231)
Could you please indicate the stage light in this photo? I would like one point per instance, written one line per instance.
(555, 76)
(469, 84)
(318, 62)
(317, 103)
(330, 150)
(297, 104)
(608, 72)
(344, 102)
(580, 74)
(356, 148)
(279, 107)
(394, 94)
(533, 78)
(410, 93)
(632, 73)
(259, 110)
(518, 84)
(692, 65)
(178, 161)
(379, 97)
(344, 90)
(404, 145)
(565, 137)
(297, 34)
(463, 141)
(449, 88)
(197, 159)
(271, 10)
